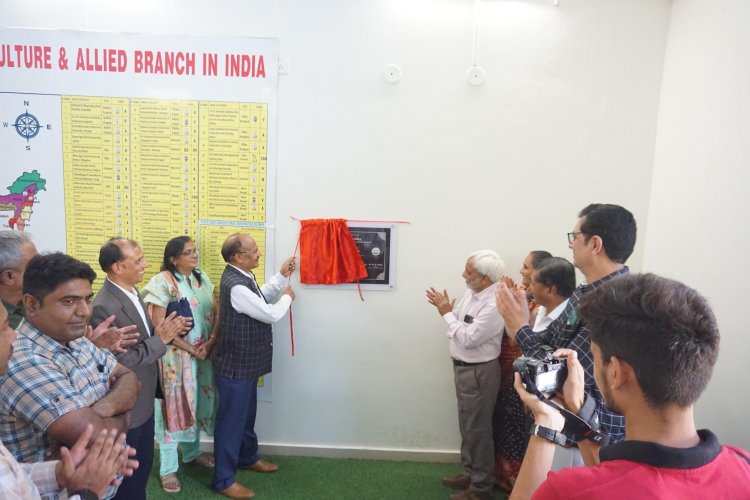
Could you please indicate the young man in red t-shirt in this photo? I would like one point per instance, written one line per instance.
(654, 343)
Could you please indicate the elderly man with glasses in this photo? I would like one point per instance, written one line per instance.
(244, 354)
(602, 240)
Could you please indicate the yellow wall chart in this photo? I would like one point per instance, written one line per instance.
(149, 168)
(147, 137)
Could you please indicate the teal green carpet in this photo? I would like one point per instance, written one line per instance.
(303, 478)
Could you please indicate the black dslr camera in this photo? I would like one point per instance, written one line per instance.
(542, 375)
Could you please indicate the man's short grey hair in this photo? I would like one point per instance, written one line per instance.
(10, 248)
(488, 263)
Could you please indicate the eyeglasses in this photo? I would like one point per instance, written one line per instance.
(188, 253)
(572, 236)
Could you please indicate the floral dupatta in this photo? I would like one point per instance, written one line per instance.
(176, 379)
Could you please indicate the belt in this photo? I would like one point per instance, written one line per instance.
(458, 362)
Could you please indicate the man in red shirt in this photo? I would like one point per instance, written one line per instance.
(654, 343)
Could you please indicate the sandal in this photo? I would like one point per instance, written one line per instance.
(205, 460)
(170, 483)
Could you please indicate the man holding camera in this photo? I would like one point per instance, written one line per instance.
(602, 241)
(654, 344)
(475, 331)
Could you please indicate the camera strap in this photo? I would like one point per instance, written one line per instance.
(584, 425)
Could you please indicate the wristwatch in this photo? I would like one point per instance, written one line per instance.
(85, 495)
(550, 435)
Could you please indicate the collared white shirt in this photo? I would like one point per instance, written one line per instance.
(543, 319)
(246, 302)
(475, 327)
(133, 296)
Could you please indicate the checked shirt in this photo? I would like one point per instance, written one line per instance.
(569, 332)
(45, 381)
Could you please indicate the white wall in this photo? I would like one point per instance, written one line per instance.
(567, 117)
(698, 230)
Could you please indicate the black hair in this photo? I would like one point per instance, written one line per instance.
(616, 227)
(558, 272)
(110, 253)
(45, 272)
(662, 328)
(173, 250)
(537, 257)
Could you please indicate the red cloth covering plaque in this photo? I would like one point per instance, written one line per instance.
(328, 254)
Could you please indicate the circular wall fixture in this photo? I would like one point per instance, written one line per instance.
(392, 73)
(475, 76)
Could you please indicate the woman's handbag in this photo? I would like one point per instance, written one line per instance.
(179, 304)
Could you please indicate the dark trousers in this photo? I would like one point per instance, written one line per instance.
(235, 441)
(142, 439)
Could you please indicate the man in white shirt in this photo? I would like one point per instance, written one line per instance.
(551, 285)
(475, 330)
(244, 354)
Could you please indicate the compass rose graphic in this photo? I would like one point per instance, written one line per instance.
(27, 125)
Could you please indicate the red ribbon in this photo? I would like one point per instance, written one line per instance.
(291, 321)
(358, 220)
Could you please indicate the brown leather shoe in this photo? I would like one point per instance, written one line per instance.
(236, 490)
(459, 482)
(262, 466)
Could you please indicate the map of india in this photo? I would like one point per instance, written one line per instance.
(20, 199)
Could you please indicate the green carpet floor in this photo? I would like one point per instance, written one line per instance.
(303, 478)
